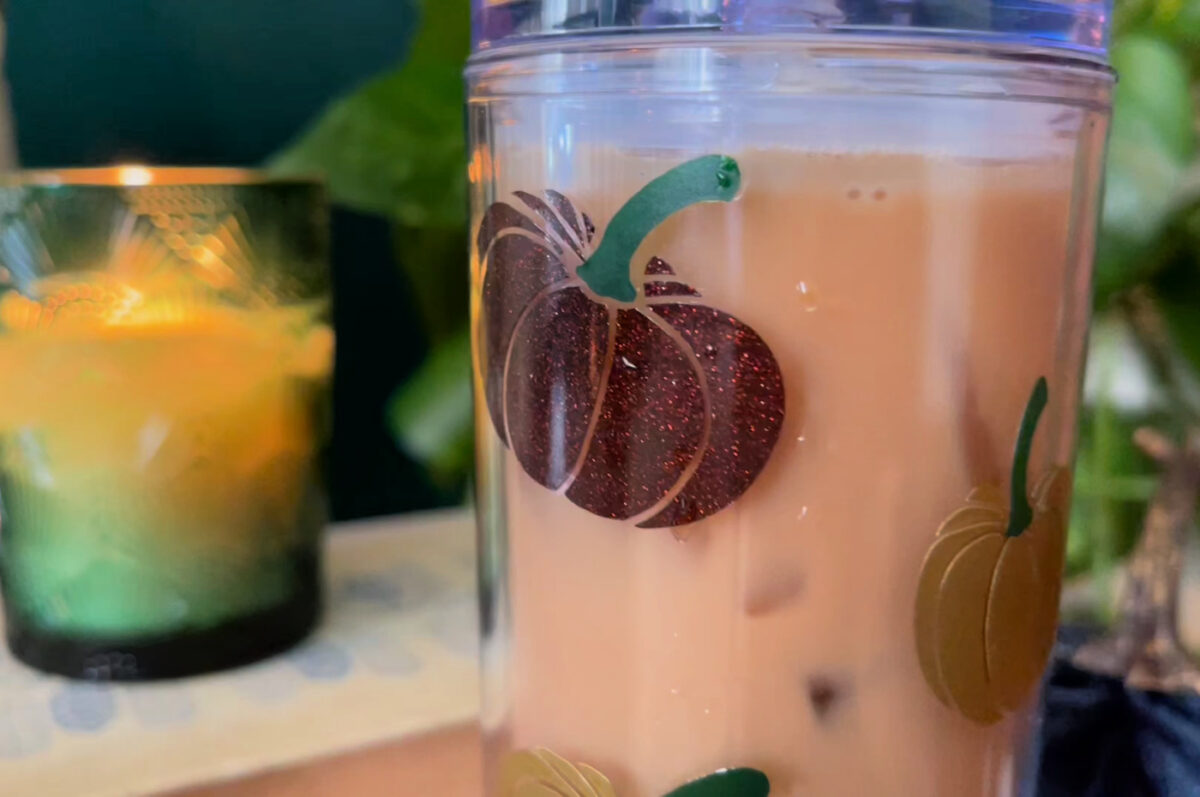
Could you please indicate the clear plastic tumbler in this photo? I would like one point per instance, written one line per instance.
(779, 319)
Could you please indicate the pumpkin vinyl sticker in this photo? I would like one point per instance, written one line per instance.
(538, 772)
(635, 401)
(541, 773)
(987, 601)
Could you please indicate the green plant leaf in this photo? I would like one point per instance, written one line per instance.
(1176, 21)
(431, 415)
(1151, 144)
(435, 261)
(396, 145)
(1182, 312)
(1154, 93)
(1131, 15)
(1113, 482)
(1113, 478)
(1177, 294)
(741, 782)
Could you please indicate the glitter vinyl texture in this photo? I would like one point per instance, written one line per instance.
(662, 411)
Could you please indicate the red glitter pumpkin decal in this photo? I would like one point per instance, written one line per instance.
(634, 404)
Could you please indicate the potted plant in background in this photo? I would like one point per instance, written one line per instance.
(395, 148)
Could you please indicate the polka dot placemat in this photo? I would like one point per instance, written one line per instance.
(395, 656)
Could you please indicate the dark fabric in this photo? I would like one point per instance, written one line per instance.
(1101, 739)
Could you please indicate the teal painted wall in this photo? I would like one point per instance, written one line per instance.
(186, 81)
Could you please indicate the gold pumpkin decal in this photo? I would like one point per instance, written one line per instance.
(987, 602)
(542, 773)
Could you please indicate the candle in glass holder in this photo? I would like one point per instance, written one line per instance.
(166, 340)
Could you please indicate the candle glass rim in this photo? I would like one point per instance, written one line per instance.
(133, 176)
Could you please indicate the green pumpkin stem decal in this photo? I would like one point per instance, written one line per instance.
(987, 600)
(540, 772)
(741, 782)
(614, 385)
(1022, 512)
(714, 178)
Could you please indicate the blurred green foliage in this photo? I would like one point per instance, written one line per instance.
(395, 147)
(1145, 357)
(431, 414)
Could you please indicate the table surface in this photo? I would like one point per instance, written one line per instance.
(445, 763)
(384, 693)
(393, 665)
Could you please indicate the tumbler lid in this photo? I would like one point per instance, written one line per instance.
(1078, 27)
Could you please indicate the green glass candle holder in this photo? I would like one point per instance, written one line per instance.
(167, 350)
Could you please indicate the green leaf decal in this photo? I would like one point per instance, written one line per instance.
(742, 782)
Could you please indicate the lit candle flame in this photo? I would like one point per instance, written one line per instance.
(134, 175)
